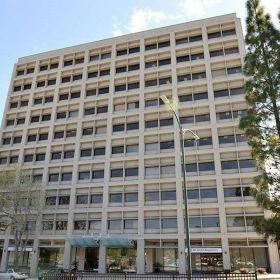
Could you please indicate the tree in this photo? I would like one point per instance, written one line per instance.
(21, 203)
(262, 121)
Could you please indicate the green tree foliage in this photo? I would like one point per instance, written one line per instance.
(21, 203)
(262, 121)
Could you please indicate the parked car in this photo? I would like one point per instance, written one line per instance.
(13, 274)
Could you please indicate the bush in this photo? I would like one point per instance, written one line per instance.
(236, 271)
(244, 270)
(261, 270)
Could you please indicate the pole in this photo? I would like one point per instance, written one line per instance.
(187, 242)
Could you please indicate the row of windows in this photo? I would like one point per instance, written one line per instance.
(135, 85)
(133, 105)
(126, 51)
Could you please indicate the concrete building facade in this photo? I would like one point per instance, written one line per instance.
(88, 123)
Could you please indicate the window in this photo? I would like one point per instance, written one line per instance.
(17, 140)
(120, 88)
(40, 157)
(234, 70)
(23, 103)
(104, 72)
(96, 198)
(101, 110)
(152, 170)
(105, 55)
(132, 126)
(77, 77)
(86, 153)
(206, 166)
(152, 224)
(195, 222)
(168, 195)
(47, 225)
(115, 224)
(27, 86)
(134, 50)
(118, 150)
(118, 127)
(191, 167)
(31, 138)
(53, 177)
(246, 163)
(43, 136)
(210, 221)
(183, 58)
(131, 172)
(75, 95)
(152, 196)
(87, 131)
(121, 52)
(61, 225)
(116, 197)
(64, 200)
(232, 192)
(193, 194)
(91, 92)
(99, 174)
(103, 90)
(79, 60)
(169, 223)
(20, 72)
(84, 175)
(56, 155)
(133, 67)
(184, 78)
(99, 151)
(61, 115)
(195, 38)
(132, 148)
(131, 197)
(69, 154)
(231, 50)
(13, 105)
(94, 57)
(214, 35)
(59, 134)
(28, 158)
(197, 56)
(80, 225)
(94, 225)
(236, 221)
(230, 164)
(38, 101)
(14, 159)
(89, 111)
(216, 53)
(221, 93)
(3, 160)
(229, 32)
(164, 62)
(92, 74)
(51, 200)
(10, 122)
(38, 177)
(6, 141)
(197, 76)
(66, 177)
(82, 199)
(130, 224)
(151, 124)
(163, 44)
(150, 83)
(43, 67)
(116, 173)
(46, 117)
(167, 145)
(73, 114)
(166, 122)
(53, 65)
(151, 64)
(208, 193)
(150, 47)
(68, 62)
(121, 69)
(41, 84)
(150, 103)
(66, 79)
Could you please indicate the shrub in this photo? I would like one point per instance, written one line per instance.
(244, 270)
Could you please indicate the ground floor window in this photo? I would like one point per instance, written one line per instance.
(24, 259)
(92, 259)
(207, 262)
(50, 257)
(121, 260)
(248, 257)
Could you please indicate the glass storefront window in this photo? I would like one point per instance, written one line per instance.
(50, 257)
(121, 260)
(249, 257)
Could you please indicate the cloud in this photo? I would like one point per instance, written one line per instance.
(116, 30)
(141, 19)
(197, 7)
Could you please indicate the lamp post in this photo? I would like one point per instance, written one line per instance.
(182, 134)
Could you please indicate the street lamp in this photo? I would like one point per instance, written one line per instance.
(182, 134)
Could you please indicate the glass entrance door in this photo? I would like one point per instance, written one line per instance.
(92, 259)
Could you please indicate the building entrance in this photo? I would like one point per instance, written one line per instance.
(207, 262)
(92, 259)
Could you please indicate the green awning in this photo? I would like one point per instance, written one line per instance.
(83, 241)
(116, 242)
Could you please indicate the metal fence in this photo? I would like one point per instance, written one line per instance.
(98, 276)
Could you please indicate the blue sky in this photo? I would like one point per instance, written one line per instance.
(33, 26)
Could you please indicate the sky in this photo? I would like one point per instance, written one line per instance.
(33, 26)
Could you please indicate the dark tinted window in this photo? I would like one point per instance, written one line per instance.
(193, 194)
(120, 88)
(202, 118)
(92, 74)
(232, 192)
(163, 44)
(69, 154)
(164, 62)
(236, 91)
(105, 55)
(168, 195)
(231, 51)
(234, 70)
(51, 82)
(167, 145)
(132, 126)
(68, 62)
(89, 111)
(77, 77)
(54, 177)
(118, 127)
(103, 90)
(66, 177)
(17, 88)
(150, 47)
(151, 196)
(185, 98)
(99, 151)
(206, 166)
(86, 153)
(61, 115)
(22, 121)
(40, 157)
(195, 38)
(14, 159)
(118, 150)
(43, 136)
(121, 69)
(75, 95)
(151, 64)
(169, 223)
(43, 67)
(134, 50)
(216, 53)
(183, 58)
(56, 155)
(79, 60)
(59, 134)
(133, 85)
(87, 131)
(225, 139)
(152, 223)
(23, 103)
(189, 119)
(210, 221)
(54, 65)
(191, 167)
(166, 122)
(31, 138)
(99, 174)
(150, 103)
(164, 81)
(94, 57)
(182, 41)
(214, 35)
(197, 76)
(84, 175)
(38, 101)
(197, 56)
(20, 72)
(3, 160)
(183, 78)
(48, 99)
(221, 93)
(229, 32)
(131, 197)
(35, 119)
(246, 163)
(150, 124)
(205, 141)
(46, 117)
(230, 164)
(195, 222)
(208, 193)
(122, 52)
(13, 105)
(104, 72)
(28, 158)
(96, 198)
(65, 79)
(150, 83)
(133, 67)
(91, 92)
(131, 172)
(17, 140)
(116, 173)
(82, 199)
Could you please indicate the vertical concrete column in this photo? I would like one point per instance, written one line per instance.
(140, 256)
(150, 260)
(226, 253)
(274, 257)
(4, 260)
(182, 255)
(102, 266)
(67, 255)
(82, 258)
(35, 258)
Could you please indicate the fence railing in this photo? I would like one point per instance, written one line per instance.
(99, 276)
